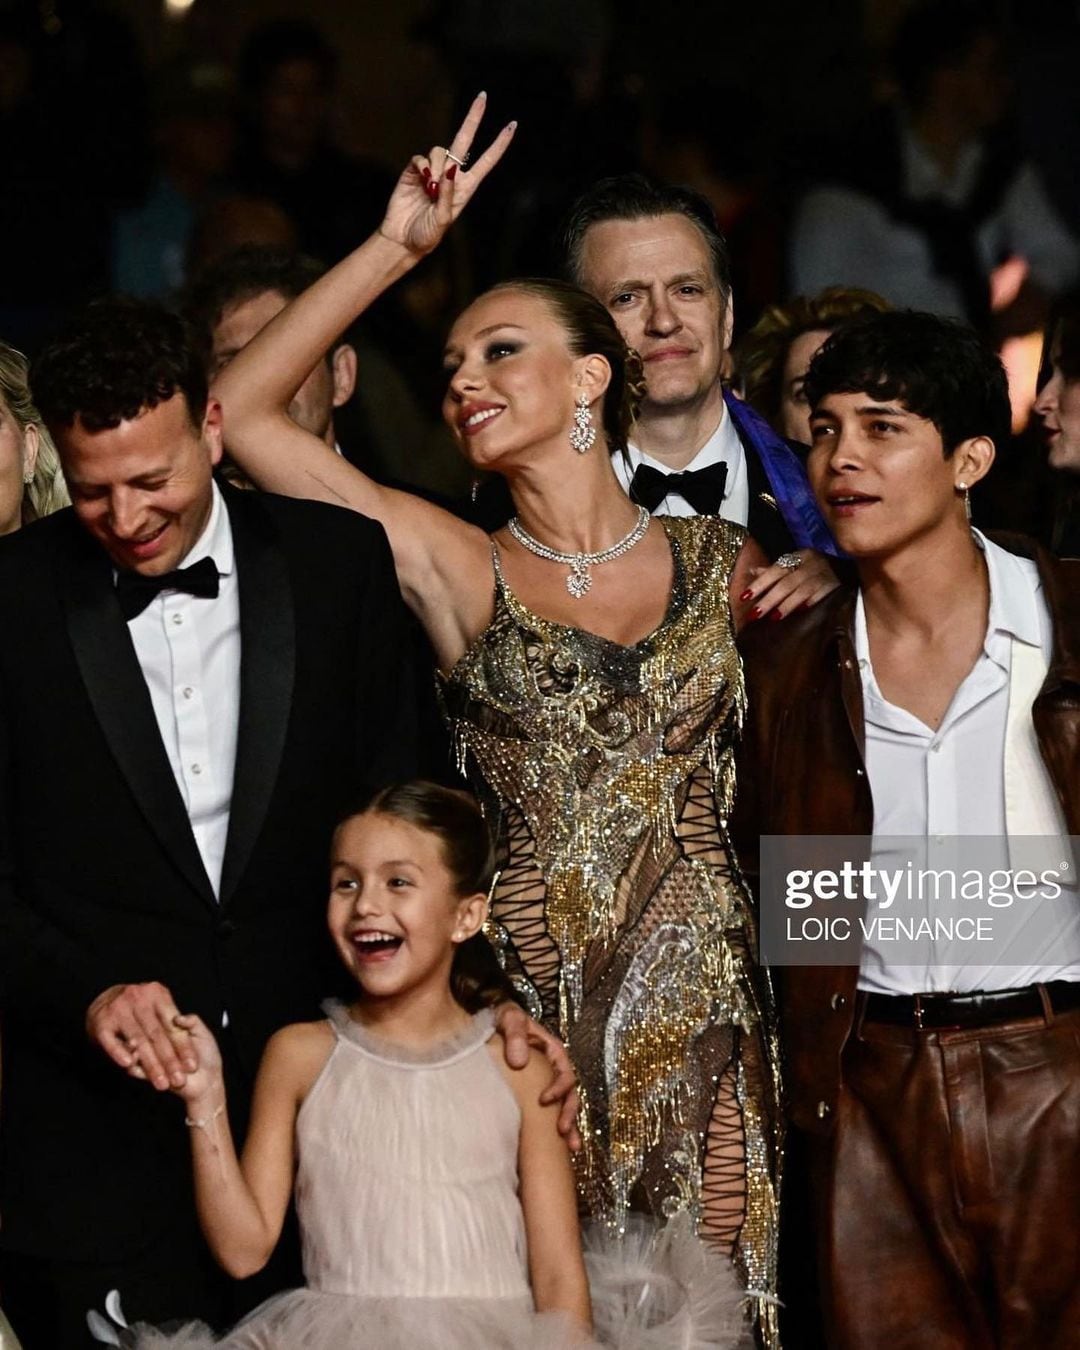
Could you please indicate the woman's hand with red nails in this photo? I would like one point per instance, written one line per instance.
(431, 193)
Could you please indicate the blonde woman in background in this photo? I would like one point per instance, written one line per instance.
(772, 359)
(31, 484)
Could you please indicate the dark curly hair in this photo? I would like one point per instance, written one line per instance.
(940, 369)
(115, 358)
(591, 330)
(454, 818)
(632, 196)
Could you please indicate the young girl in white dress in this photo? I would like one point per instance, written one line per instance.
(435, 1195)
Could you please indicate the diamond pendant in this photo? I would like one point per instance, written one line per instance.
(579, 581)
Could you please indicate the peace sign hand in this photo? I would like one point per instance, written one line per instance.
(434, 189)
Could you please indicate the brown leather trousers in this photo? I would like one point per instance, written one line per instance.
(948, 1193)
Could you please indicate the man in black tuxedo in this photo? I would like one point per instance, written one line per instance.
(653, 256)
(194, 683)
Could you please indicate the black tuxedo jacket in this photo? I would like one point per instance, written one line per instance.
(101, 881)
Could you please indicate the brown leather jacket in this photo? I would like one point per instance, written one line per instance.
(801, 771)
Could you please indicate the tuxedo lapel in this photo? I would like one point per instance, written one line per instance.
(267, 672)
(121, 701)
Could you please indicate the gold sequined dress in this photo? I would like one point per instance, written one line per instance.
(619, 909)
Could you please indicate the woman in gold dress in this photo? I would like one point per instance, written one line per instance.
(589, 673)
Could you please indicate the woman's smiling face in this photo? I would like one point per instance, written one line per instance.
(511, 379)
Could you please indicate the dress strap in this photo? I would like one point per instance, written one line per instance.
(500, 581)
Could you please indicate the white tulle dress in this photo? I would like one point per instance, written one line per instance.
(413, 1234)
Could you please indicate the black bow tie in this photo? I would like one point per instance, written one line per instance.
(703, 489)
(135, 591)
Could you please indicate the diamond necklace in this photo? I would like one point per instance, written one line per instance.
(579, 580)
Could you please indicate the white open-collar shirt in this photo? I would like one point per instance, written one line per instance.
(935, 784)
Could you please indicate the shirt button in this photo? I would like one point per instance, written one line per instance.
(848, 663)
(188, 691)
(196, 768)
(838, 1003)
(823, 1109)
(860, 773)
(178, 619)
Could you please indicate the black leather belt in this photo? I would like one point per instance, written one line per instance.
(981, 1009)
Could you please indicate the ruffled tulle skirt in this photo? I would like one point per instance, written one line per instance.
(8, 1339)
(307, 1319)
(652, 1289)
(663, 1289)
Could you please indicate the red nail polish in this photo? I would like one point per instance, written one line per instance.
(776, 614)
(426, 173)
(746, 595)
(755, 613)
(452, 171)
(432, 190)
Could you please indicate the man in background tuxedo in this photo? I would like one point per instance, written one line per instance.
(195, 683)
(355, 399)
(652, 255)
(232, 300)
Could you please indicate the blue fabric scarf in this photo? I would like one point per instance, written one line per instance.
(787, 478)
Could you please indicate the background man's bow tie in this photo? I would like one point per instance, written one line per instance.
(703, 489)
(135, 591)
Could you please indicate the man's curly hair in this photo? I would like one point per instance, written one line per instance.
(112, 360)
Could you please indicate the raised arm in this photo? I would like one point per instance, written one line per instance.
(431, 547)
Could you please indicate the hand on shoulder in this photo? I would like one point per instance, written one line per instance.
(524, 1043)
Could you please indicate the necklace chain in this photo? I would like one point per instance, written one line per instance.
(580, 580)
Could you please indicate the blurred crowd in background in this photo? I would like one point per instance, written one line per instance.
(840, 143)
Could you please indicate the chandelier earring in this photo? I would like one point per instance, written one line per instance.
(584, 433)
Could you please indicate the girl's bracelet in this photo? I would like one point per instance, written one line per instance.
(204, 1122)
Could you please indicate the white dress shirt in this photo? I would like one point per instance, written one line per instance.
(723, 446)
(189, 650)
(843, 236)
(936, 784)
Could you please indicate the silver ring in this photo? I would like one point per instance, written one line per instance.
(459, 162)
(790, 561)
